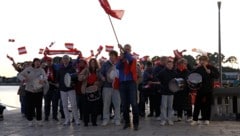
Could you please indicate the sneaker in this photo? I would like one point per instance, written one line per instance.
(170, 122)
(77, 123)
(193, 123)
(179, 119)
(55, 118)
(189, 119)
(39, 123)
(30, 123)
(150, 115)
(105, 122)
(163, 123)
(117, 123)
(206, 122)
(66, 123)
(127, 125)
(135, 127)
(158, 118)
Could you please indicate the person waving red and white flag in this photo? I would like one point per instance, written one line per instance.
(69, 45)
(108, 48)
(22, 50)
(107, 8)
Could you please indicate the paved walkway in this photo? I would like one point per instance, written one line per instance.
(15, 125)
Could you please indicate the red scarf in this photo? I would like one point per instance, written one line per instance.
(181, 67)
(131, 68)
(50, 74)
(92, 78)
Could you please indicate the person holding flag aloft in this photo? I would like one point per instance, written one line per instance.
(128, 87)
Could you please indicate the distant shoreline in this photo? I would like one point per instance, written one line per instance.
(9, 84)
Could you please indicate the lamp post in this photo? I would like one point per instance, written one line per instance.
(219, 43)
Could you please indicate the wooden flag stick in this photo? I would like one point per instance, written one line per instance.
(113, 29)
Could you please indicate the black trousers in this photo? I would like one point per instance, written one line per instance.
(203, 104)
(34, 105)
(51, 99)
(90, 108)
(80, 104)
(154, 102)
(2, 109)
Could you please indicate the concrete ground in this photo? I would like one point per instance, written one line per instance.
(16, 125)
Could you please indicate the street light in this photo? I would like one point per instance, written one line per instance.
(219, 42)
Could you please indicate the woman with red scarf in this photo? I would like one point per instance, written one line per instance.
(90, 89)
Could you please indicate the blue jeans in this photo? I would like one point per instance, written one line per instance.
(167, 108)
(23, 103)
(128, 93)
(111, 95)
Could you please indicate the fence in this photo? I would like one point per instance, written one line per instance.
(226, 104)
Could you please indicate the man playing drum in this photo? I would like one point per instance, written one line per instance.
(204, 93)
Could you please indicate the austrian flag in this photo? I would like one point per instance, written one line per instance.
(108, 48)
(69, 45)
(107, 8)
(22, 50)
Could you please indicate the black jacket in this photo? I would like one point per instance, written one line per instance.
(61, 74)
(207, 79)
(165, 76)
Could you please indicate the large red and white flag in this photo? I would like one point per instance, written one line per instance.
(69, 45)
(107, 8)
(22, 50)
(108, 48)
(40, 51)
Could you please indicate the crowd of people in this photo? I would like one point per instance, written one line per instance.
(115, 88)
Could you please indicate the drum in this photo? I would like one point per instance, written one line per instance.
(36, 84)
(70, 79)
(194, 81)
(112, 73)
(176, 84)
(92, 93)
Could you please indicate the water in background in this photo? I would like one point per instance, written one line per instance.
(9, 97)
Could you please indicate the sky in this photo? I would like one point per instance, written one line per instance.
(152, 27)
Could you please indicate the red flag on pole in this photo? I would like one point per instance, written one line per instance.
(69, 45)
(108, 48)
(22, 50)
(40, 51)
(107, 8)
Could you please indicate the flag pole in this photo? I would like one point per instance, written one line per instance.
(113, 29)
